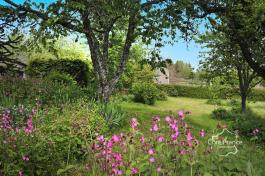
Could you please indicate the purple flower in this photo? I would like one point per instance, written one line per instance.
(202, 133)
(161, 138)
(152, 159)
(151, 152)
(134, 123)
(25, 158)
(115, 138)
(117, 156)
(134, 170)
(181, 115)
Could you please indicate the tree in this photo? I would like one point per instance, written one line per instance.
(184, 69)
(8, 43)
(243, 24)
(226, 59)
(100, 20)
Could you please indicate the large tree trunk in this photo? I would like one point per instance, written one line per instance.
(243, 103)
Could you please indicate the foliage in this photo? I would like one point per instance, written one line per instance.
(184, 69)
(250, 125)
(49, 141)
(221, 114)
(78, 69)
(186, 91)
(205, 93)
(144, 92)
(36, 91)
(161, 95)
(214, 101)
(63, 78)
(113, 115)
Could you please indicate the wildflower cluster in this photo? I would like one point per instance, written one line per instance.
(168, 145)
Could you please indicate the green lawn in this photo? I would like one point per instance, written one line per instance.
(200, 110)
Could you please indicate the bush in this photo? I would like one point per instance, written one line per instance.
(49, 142)
(206, 93)
(249, 125)
(63, 78)
(145, 93)
(42, 92)
(221, 113)
(186, 91)
(78, 69)
(162, 96)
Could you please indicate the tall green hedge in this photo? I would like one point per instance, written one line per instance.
(78, 69)
(204, 92)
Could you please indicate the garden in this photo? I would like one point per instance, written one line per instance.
(86, 91)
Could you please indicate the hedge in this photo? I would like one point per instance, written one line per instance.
(204, 92)
(78, 69)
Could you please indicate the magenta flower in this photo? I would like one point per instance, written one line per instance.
(100, 138)
(20, 173)
(154, 128)
(181, 115)
(161, 138)
(134, 123)
(152, 159)
(25, 158)
(189, 137)
(142, 139)
(151, 152)
(202, 133)
(168, 119)
(117, 156)
(134, 170)
(29, 127)
(115, 138)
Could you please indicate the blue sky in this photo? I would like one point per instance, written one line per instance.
(181, 50)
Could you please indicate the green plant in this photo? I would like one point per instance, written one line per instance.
(63, 78)
(50, 141)
(145, 93)
(78, 69)
(221, 113)
(113, 115)
(37, 91)
(162, 96)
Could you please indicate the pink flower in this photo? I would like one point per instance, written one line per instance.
(134, 123)
(142, 139)
(29, 127)
(154, 128)
(100, 138)
(134, 170)
(20, 173)
(189, 137)
(168, 119)
(202, 133)
(115, 138)
(117, 156)
(161, 138)
(25, 158)
(158, 169)
(181, 115)
(151, 152)
(152, 159)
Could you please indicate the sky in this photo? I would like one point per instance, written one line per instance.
(181, 50)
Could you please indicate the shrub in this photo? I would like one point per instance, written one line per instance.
(206, 93)
(162, 96)
(78, 69)
(63, 78)
(145, 93)
(49, 142)
(249, 125)
(42, 92)
(186, 91)
(221, 113)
